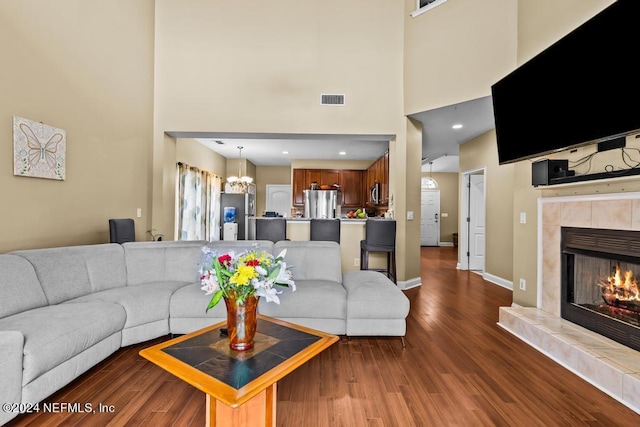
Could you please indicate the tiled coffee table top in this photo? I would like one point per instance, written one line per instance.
(209, 352)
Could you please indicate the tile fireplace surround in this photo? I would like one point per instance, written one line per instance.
(608, 365)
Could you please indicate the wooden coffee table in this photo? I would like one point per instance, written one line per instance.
(240, 386)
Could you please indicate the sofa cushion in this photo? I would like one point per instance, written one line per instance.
(19, 286)
(56, 333)
(69, 272)
(312, 260)
(163, 261)
(371, 295)
(312, 298)
(225, 246)
(191, 302)
(143, 303)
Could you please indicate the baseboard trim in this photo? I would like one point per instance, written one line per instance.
(409, 284)
(445, 244)
(498, 280)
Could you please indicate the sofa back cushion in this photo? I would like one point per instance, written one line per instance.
(225, 246)
(19, 287)
(73, 271)
(163, 261)
(312, 260)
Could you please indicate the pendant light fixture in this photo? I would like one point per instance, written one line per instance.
(240, 183)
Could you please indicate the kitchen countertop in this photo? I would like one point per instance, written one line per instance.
(305, 220)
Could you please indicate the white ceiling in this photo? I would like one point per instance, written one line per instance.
(439, 141)
(267, 149)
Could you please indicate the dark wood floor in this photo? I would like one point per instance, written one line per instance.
(458, 369)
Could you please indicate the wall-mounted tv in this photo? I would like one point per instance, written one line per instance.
(580, 90)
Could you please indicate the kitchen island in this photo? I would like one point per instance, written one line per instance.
(352, 231)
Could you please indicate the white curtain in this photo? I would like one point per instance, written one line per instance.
(198, 204)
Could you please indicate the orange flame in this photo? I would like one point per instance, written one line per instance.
(621, 289)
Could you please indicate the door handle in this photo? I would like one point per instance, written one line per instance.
(436, 217)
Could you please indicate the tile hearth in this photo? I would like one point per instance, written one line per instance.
(608, 365)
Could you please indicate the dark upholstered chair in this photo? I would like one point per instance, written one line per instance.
(325, 230)
(122, 230)
(380, 236)
(274, 229)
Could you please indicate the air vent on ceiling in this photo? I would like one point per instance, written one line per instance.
(331, 99)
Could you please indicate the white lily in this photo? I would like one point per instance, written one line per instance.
(271, 294)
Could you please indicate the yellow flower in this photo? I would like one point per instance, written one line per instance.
(243, 275)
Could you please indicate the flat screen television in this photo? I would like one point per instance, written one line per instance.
(582, 89)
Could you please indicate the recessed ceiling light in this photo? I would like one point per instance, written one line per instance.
(457, 126)
(285, 152)
(343, 153)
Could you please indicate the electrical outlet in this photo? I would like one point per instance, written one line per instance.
(523, 285)
(139, 212)
(523, 217)
(356, 262)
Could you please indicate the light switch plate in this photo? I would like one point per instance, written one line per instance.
(409, 215)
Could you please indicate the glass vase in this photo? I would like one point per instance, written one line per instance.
(241, 322)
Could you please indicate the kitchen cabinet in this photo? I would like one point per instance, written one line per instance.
(378, 172)
(351, 184)
(298, 186)
(329, 177)
(313, 175)
(352, 188)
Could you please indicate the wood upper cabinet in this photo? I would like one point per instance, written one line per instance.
(298, 186)
(312, 175)
(385, 178)
(329, 177)
(351, 183)
(378, 172)
(352, 188)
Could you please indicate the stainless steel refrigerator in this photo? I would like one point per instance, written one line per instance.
(245, 207)
(322, 204)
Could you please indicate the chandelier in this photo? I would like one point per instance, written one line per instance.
(240, 183)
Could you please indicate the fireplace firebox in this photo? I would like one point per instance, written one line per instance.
(600, 273)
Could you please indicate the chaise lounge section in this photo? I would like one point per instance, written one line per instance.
(66, 309)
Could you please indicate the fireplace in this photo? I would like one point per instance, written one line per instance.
(599, 289)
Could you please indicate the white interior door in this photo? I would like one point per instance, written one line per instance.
(279, 199)
(477, 219)
(430, 218)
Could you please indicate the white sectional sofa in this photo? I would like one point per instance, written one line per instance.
(63, 310)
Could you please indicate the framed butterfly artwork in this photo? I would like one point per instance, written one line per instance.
(39, 150)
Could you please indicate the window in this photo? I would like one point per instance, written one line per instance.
(197, 204)
(423, 5)
(428, 183)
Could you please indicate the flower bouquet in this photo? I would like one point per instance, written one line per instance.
(241, 279)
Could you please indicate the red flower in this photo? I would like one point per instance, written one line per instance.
(253, 263)
(224, 259)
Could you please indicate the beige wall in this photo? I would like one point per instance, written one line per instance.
(235, 67)
(478, 153)
(448, 185)
(540, 24)
(454, 52)
(66, 63)
(195, 154)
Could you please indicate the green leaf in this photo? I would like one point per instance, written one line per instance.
(214, 300)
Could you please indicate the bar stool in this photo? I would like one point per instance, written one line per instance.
(380, 236)
(274, 229)
(325, 230)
